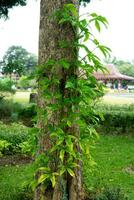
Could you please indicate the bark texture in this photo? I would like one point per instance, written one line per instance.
(50, 35)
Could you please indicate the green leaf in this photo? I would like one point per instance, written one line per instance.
(62, 153)
(33, 184)
(93, 14)
(44, 169)
(87, 34)
(43, 177)
(70, 171)
(69, 123)
(64, 63)
(72, 8)
(97, 25)
(83, 22)
(69, 144)
(69, 84)
(96, 42)
(105, 50)
(53, 181)
(87, 152)
(103, 20)
(62, 171)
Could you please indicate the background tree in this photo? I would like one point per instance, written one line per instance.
(8, 4)
(25, 83)
(6, 88)
(124, 67)
(5, 6)
(19, 61)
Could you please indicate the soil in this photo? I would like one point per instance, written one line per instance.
(14, 160)
(130, 169)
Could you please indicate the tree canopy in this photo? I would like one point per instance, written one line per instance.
(18, 60)
(125, 67)
(8, 4)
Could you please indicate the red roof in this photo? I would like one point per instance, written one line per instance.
(112, 73)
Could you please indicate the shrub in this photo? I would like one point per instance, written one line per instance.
(6, 87)
(13, 135)
(116, 119)
(12, 112)
(25, 83)
(27, 114)
(4, 147)
(8, 109)
(25, 147)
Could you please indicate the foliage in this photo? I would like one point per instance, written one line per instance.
(5, 6)
(12, 112)
(12, 138)
(8, 4)
(28, 114)
(111, 194)
(125, 67)
(8, 109)
(84, 2)
(117, 119)
(6, 87)
(113, 154)
(14, 182)
(25, 83)
(75, 94)
(4, 147)
(17, 60)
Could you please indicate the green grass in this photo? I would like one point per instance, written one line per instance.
(117, 100)
(113, 154)
(12, 180)
(21, 97)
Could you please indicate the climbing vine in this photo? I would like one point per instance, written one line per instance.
(69, 90)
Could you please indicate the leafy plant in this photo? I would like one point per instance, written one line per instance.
(4, 147)
(11, 136)
(116, 119)
(75, 94)
(6, 88)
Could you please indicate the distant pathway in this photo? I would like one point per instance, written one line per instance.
(125, 95)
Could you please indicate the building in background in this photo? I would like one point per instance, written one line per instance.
(113, 78)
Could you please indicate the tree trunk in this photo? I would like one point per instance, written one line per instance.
(51, 33)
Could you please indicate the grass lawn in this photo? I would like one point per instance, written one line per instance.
(113, 155)
(12, 180)
(21, 97)
(117, 100)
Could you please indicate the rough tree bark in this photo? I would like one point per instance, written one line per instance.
(50, 35)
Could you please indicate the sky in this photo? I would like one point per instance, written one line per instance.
(22, 27)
